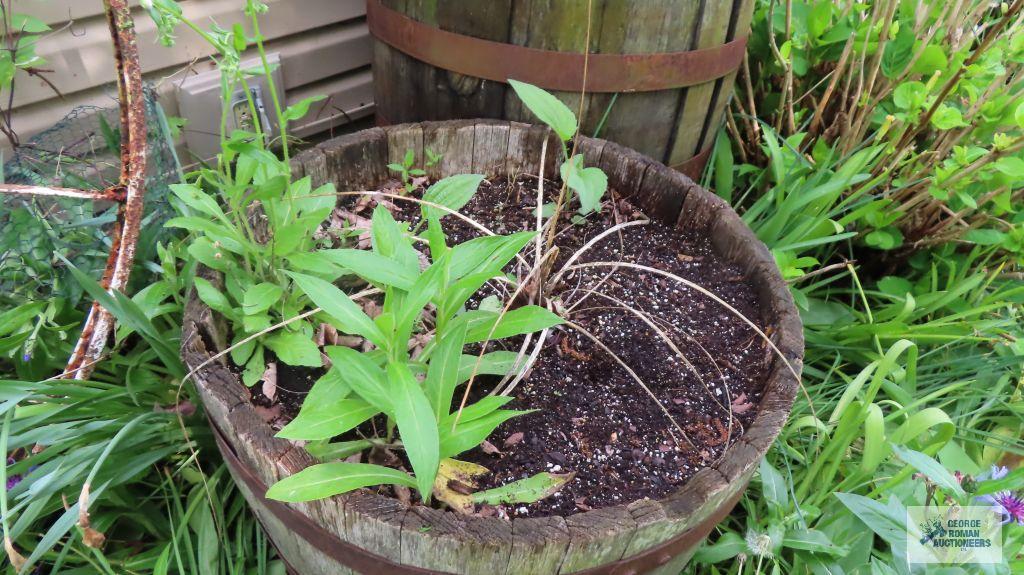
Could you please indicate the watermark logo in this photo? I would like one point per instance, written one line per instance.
(953, 535)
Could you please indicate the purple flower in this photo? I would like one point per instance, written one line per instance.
(994, 473)
(1006, 504)
(27, 357)
(14, 479)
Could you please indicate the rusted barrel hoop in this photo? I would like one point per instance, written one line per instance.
(363, 561)
(549, 69)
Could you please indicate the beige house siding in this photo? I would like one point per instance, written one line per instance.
(324, 45)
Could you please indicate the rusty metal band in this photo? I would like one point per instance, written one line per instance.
(362, 561)
(694, 167)
(552, 70)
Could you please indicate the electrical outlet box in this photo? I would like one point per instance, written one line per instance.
(199, 102)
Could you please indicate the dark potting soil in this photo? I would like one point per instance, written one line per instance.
(593, 418)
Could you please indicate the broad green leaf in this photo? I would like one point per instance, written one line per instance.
(197, 199)
(260, 297)
(364, 376)
(886, 522)
(294, 348)
(313, 202)
(1018, 115)
(985, 237)
(326, 420)
(812, 540)
(215, 231)
(256, 322)
(932, 469)
(213, 297)
(458, 293)
(426, 287)
(886, 238)
(526, 319)
(947, 117)
(25, 23)
(1011, 166)
(898, 52)
(452, 192)
(819, 18)
(469, 434)
(493, 363)
(240, 354)
(299, 109)
(296, 236)
(526, 490)
(589, 183)
(329, 388)
(547, 108)
(483, 407)
(773, 486)
(13, 319)
(728, 546)
(254, 368)
(443, 370)
(316, 262)
(203, 250)
(487, 254)
(389, 239)
(416, 426)
(931, 60)
(348, 316)
(373, 267)
(327, 479)
(724, 162)
(909, 95)
(325, 451)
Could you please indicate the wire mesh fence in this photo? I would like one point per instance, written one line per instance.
(39, 233)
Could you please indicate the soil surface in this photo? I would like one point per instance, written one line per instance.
(623, 439)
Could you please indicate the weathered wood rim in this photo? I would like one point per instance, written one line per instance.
(362, 561)
(441, 541)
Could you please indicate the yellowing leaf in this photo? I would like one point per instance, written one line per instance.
(463, 472)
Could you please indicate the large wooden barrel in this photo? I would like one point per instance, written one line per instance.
(362, 532)
(658, 78)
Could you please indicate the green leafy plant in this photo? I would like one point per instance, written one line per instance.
(384, 381)
(930, 93)
(248, 217)
(256, 226)
(589, 183)
(407, 172)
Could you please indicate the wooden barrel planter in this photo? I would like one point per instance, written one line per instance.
(659, 75)
(363, 532)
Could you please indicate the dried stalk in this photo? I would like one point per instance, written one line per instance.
(128, 192)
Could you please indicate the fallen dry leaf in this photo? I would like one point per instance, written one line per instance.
(353, 341)
(513, 439)
(371, 308)
(740, 404)
(269, 379)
